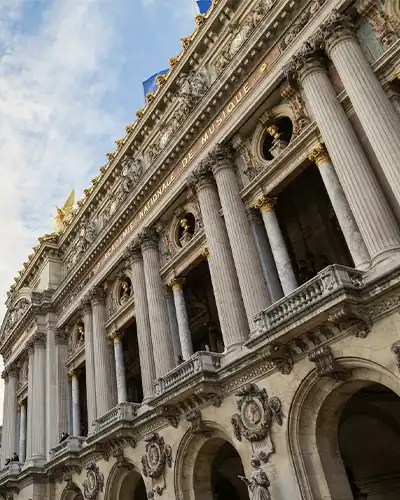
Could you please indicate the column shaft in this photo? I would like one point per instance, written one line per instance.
(5, 447)
(182, 318)
(147, 366)
(231, 313)
(278, 246)
(266, 257)
(159, 321)
(22, 433)
(120, 369)
(104, 396)
(39, 395)
(341, 207)
(12, 424)
(76, 414)
(29, 423)
(248, 268)
(374, 110)
(173, 324)
(89, 363)
(365, 197)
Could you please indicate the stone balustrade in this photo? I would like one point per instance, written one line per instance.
(12, 469)
(123, 412)
(70, 445)
(324, 286)
(202, 361)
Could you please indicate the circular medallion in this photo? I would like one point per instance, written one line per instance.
(154, 455)
(252, 413)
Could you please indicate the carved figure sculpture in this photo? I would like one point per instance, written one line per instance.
(64, 214)
(259, 482)
(132, 170)
(125, 292)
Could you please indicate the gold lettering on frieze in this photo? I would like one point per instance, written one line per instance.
(229, 109)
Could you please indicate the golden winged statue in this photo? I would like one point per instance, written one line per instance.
(64, 214)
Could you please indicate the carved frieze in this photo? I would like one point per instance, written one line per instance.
(94, 483)
(132, 170)
(158, 456)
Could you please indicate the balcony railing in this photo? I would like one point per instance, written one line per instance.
(202, 361)
(325, 284)
(122, 412)
(71, 445)
(12, 469)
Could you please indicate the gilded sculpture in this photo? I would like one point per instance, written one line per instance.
(64, 214)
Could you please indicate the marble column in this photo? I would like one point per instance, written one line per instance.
(376, 113)
(143, 329)
(22, 432)
(159, 321)
(76, 413)
(185, 336)
(231, 312)
(363, 192)
(5, 446)
(343, 212)
(173, 323)
(89, 362)
(265, 255)
(254, 290)
(119, 366)
(283, 263)
(39, 398)
(103, 385)
(31, 377)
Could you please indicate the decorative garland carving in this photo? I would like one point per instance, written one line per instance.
(94, 482)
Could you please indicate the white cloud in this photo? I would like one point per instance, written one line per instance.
(52, 125)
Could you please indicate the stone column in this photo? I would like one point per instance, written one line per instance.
(374, 110)
(341, 207)
(173, 323)
(143, 329)
(29, 423)
(185, 337)
(248, 268)
(89, 361)
(363, 192)
(39, 398)
(103, 380)
(119, 366)
(22, 432)
(231, 313)
(265, 255)
(159, 321)
(9, 434)
(76, 413)
(283, 263)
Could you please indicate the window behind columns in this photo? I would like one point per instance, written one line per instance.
(83, 403)
(311, 230)
(132, 365)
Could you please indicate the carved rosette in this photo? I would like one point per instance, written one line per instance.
(158, 456)
(94, 482)
(254, 421)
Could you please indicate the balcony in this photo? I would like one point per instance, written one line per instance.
(188, 377)
(72, 445)
(123, 412)
(12, 469)
(324, 306)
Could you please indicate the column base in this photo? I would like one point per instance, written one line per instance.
(35, 462)
(233, 353)
(383, 264)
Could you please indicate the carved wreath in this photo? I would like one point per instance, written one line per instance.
(94, 482)
(158, 454)
(256, 413)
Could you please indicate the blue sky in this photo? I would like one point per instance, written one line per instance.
(70, 81)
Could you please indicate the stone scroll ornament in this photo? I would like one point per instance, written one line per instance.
(257, 412)
(94, 482)
(158, 456)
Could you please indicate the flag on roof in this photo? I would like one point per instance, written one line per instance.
(204, 5)
(150, 85)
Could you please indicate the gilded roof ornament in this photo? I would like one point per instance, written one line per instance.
(150, 97)
(129, 128)
(186, 41)
(200, 19)
(161, 79)
(103, 168)
(140, 113)
(110, 156)
(173, 61)
(64, 214)
(120, 142)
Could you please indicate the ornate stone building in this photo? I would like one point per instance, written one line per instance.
(218, 318)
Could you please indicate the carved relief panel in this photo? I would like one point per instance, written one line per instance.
(156, 460)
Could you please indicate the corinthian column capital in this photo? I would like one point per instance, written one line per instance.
(176, 284)
(133, 252)
(336, 29)
(97, 295)
(202, 175)
(148, 238)
(221, 157)
(308, 59)
(319, 154)
(86, 304)
(264, 204)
